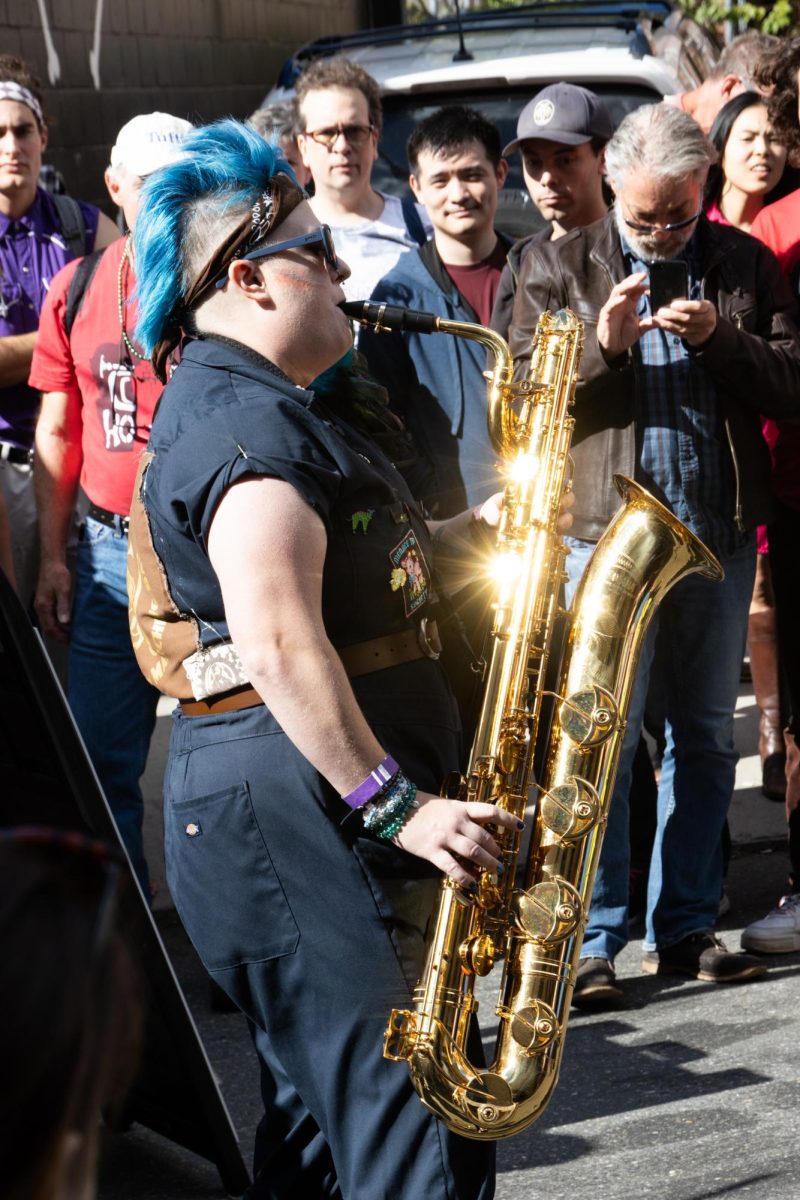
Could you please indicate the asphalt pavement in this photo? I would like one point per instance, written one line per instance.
(690, 1092)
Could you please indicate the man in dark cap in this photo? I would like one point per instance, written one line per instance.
(561, 136)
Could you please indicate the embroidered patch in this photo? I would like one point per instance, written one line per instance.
(544, 112)
(410, 572)
(361, 519)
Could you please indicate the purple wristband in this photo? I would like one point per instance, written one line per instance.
(374, 784)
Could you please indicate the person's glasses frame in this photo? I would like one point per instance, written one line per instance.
(356, 135)
(670, 228)
(323, 234)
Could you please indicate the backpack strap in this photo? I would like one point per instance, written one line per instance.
(73, 226)
(78, 285)
(413, 221)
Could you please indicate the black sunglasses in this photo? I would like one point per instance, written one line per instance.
(323, 235)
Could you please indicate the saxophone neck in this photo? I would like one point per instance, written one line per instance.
(390, 317)
(498, 377)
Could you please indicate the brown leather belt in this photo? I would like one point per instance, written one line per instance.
(375, 655)
(360, 659)
(245, 698)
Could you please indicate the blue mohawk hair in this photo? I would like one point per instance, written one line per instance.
(229, 163)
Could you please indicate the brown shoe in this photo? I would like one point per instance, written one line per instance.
(703, 956)
(773, 776)
(596, 984)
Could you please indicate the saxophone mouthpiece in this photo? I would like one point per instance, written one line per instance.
(389, 316)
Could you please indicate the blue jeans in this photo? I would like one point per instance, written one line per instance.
(702, 629)
(113, 705)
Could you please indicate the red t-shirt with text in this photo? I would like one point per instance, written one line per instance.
(117, 392)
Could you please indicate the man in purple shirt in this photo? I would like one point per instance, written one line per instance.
(38, 235)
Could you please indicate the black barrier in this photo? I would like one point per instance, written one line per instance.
(48, 779)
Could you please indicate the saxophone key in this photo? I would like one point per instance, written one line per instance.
(589, 717)
(572, 809)
(399, 1040)
(488, 1100)
(535, 1028)
(478, 954)
(550, 911)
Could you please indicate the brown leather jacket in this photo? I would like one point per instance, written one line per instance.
(753, 358)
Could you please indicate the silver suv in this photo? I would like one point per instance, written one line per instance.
(630, 54)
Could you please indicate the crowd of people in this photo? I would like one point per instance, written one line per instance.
(269, 516)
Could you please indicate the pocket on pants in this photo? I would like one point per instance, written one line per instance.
(93, 533)
(223, 880)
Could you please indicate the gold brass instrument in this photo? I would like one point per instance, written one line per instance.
(536, 931)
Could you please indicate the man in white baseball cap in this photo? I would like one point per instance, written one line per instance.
(98, 396)
(148, 142)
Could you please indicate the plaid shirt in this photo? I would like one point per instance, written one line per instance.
(682, 451)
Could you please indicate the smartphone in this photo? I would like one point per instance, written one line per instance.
(668, 281)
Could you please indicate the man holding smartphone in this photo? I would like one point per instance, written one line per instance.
(671, 393)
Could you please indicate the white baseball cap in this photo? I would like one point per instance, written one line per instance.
(149, 141)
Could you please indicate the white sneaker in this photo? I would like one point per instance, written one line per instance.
(779, 931)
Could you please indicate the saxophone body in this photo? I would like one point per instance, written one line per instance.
(532, 933)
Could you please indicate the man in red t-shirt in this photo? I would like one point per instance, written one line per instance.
(98, 397)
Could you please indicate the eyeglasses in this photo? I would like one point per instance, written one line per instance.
(322, 235)
(637, 225)
(356, 135)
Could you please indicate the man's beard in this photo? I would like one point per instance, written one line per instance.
(653, 249)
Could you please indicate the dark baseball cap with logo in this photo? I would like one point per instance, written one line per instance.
(563, 112)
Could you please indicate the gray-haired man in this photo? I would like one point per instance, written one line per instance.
(672, 398)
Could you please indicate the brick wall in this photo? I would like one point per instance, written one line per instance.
(199, 59)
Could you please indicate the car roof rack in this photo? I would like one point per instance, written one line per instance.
(551, 14)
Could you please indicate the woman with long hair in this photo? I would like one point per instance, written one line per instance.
(751, 162)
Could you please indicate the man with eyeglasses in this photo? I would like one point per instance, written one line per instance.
(673, 399)
(340, 122)
(98, 397)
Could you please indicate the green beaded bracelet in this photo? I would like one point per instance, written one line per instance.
(386, 817)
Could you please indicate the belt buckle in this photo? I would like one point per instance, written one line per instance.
(428, 637)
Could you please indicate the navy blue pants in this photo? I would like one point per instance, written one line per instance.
(316, 933)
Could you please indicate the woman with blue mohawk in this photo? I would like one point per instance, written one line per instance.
(281, 590)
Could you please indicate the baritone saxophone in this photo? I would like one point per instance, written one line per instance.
(534, 932)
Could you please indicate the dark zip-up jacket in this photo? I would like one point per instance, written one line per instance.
(753, 358)
(435, 382)
(507, 287)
